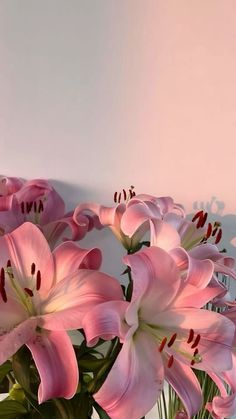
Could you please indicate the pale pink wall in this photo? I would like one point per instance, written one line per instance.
(102, 94)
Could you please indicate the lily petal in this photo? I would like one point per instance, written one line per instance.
(74, 296)
(191, 296)
(222, 407)
(10, 217)
(185, 383)
(54, 206)
(24, 246)
(105, 321)
(11, 312)
(136, 214)
(137, 368)
(12, 341)
(55, 360)
(156, 279)
(165, 203)
(199, 272)
(216, 336)
(53, 230)
(164, 235)
(69, 257)
(222, 264)
(107, 215)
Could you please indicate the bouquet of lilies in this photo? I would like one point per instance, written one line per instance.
(165, 338)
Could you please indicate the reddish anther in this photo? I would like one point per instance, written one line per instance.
(119, 198)
(199, 223)
(33, 269)
(214, 231)
(204, 218)
(38, 280)
(196, 341)
(40, 207)
(29, 292)
(35, 206)
(125, 194)
(172, 340)
(2, 278)
(8, 263)
(170, 361)
(195, 352)
(162, 345)
(218, 237)
(115, 197)
(190, 336)
(22, 205)
(192, 362)
(198, 214)
(209, 230)
(3, 294)
(29, 206)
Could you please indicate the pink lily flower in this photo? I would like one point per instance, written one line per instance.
(174, 232)
(8, 186)
(225, 405)
(43, 294)
(129, 221)
(164, 336)
(38, 202)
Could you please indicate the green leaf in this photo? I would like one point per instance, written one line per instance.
(44, 411)
(5, 369)
(82, 406)
(101, 412)
(21, 367)
(91, 363)
(11, 409)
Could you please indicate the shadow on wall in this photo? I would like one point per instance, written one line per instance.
(216, 212)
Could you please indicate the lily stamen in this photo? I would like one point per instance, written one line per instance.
(196, 341)
(209, 231)
(2, 278)
(38, 280)
(218, 237)
(191, 336)
(162, 345)
(3, 294)
(196, 357)
(124, 195)
(198, 214)
(33, 269)
(29, 207)
(170, 361)
(172, 340)
(29, 292)
(203, 221)
(9, 269)
(40, 207)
